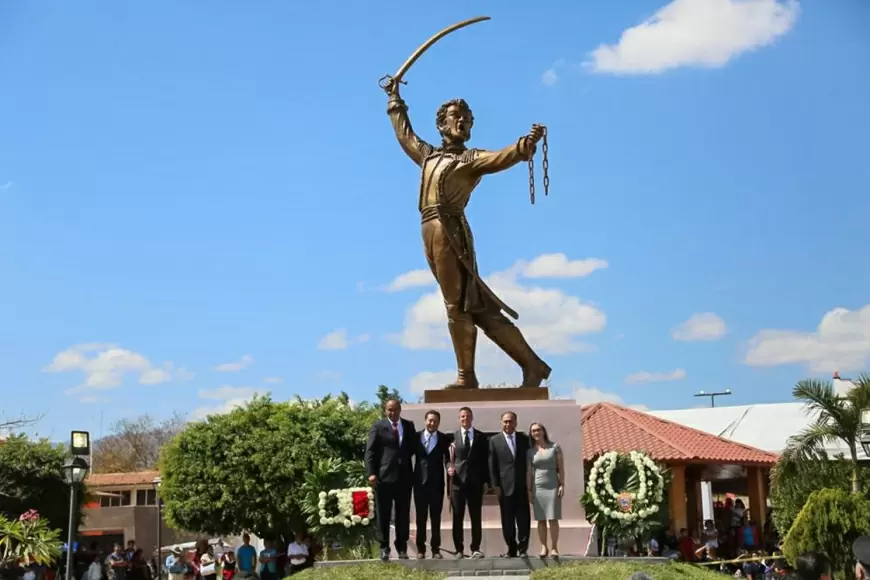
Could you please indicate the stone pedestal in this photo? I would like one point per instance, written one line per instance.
(562, 420)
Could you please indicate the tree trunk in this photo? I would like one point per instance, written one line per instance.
(856, 484)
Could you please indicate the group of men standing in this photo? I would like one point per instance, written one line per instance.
(467, 463)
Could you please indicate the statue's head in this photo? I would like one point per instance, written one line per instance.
(454, 121)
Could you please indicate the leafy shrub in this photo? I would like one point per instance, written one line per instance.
(246, 470)
(615, 570)
(367, 572)
(792, 482)
(829, 523)
(27, 539)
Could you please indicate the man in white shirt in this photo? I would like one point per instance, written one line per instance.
(469, 477)
(298, 554)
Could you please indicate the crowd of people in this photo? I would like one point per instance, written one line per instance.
(206, 561)
(524, 471)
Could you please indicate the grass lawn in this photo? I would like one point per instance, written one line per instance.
(373, 571)
(615, 570)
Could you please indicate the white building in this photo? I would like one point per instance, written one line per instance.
(764, 426)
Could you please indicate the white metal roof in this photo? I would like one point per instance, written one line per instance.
(764, 426)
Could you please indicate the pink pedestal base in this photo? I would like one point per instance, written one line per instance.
(562, 420)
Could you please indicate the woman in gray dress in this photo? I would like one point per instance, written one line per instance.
(546, 474)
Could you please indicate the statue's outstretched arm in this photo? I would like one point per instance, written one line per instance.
(412, 145)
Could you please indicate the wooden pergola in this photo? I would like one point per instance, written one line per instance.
(692, 456)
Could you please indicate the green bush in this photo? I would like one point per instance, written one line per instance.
(829, 523)
(374, 571)
(615, 570)
(792, 482)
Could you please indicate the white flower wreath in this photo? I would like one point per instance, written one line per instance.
(624, 506)
(341, 512)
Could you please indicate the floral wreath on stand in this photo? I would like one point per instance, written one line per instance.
(624, 493)
(347, 507)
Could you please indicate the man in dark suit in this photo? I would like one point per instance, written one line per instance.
(431, 459)
(507, 472)
(469, 477)
(389, 452)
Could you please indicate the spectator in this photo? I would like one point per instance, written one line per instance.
(207, 568)
(131, 549)
(268, 562)
(812, 566)
(228, 564)
(246, 556)
(861, 551)
(298, 554)
(117, 564)
(686, 546)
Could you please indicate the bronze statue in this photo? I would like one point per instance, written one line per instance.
(450, 172)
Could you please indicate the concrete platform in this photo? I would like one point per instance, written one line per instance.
(512, 567)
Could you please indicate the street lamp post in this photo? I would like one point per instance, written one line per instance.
(713, 396)
(157, 482)
(75, 472)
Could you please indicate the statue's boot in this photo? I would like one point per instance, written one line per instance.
(509, 338)
(463, 333)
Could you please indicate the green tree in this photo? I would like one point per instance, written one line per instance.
(246, 470)
(792, 482)
(838, 419)
(31, 478)
(385, 394)
(830, 522)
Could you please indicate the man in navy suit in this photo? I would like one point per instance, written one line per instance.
(429, 467)
(389, 452)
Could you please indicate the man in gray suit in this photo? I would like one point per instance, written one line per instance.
(508, 452)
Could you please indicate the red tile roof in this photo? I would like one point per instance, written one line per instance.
(121, 479)
(609, 427)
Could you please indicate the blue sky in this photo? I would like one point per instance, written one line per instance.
(199, 201)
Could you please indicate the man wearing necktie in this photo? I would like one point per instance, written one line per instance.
(508, 466)
(469, 477)
(432, 453)
(388, 458)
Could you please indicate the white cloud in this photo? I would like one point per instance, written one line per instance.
(701, 326)
(338, 340)
(559, 266)
(551, 320)
(105, 366)
(234, 367)
(550, 77)
(841, 342)
(695, 33)
(412, 279)
(431, 380)
(648, 377)
(230, 398)
(273, 380)
(155, 376)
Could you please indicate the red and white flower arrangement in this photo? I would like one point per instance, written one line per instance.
(347, 507)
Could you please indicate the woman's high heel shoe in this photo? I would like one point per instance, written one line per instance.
(544, 553)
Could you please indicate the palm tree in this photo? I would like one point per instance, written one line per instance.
(838, 419)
